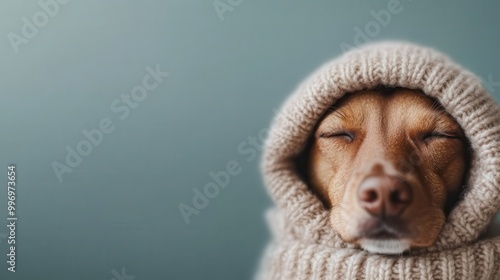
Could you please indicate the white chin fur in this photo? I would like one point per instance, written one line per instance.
(384, 246)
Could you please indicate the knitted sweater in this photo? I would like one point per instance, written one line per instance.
(304, 244)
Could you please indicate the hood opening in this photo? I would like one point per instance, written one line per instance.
(301, 161)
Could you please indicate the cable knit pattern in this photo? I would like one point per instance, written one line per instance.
(304, 245)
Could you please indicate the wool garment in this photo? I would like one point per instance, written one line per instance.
(303, 243)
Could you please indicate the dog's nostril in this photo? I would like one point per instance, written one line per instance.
(369, 196)
(399, 197)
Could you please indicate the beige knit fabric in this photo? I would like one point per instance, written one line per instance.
(304, 245)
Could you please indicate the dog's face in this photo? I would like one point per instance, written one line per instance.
(387, 164)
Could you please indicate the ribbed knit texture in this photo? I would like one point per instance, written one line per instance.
(304, 245)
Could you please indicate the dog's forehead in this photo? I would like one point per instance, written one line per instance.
(393, 110)
(400, 101)
(415, 98)
(374, 98)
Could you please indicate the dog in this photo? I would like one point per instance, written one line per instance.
(389, 164)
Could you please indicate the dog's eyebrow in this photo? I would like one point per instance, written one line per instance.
(440, 120)
(339, 113)
(345, 115)
(447, 124)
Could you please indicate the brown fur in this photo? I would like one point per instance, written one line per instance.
(400, 133)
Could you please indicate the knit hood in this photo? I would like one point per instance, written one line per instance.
(304, 244)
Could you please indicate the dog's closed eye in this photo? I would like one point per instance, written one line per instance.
(429, 136)
(342, 134)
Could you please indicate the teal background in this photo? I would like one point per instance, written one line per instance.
(119, 207)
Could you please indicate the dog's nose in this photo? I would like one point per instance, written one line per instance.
(384, 195)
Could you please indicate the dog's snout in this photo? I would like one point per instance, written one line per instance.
(384, 195)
